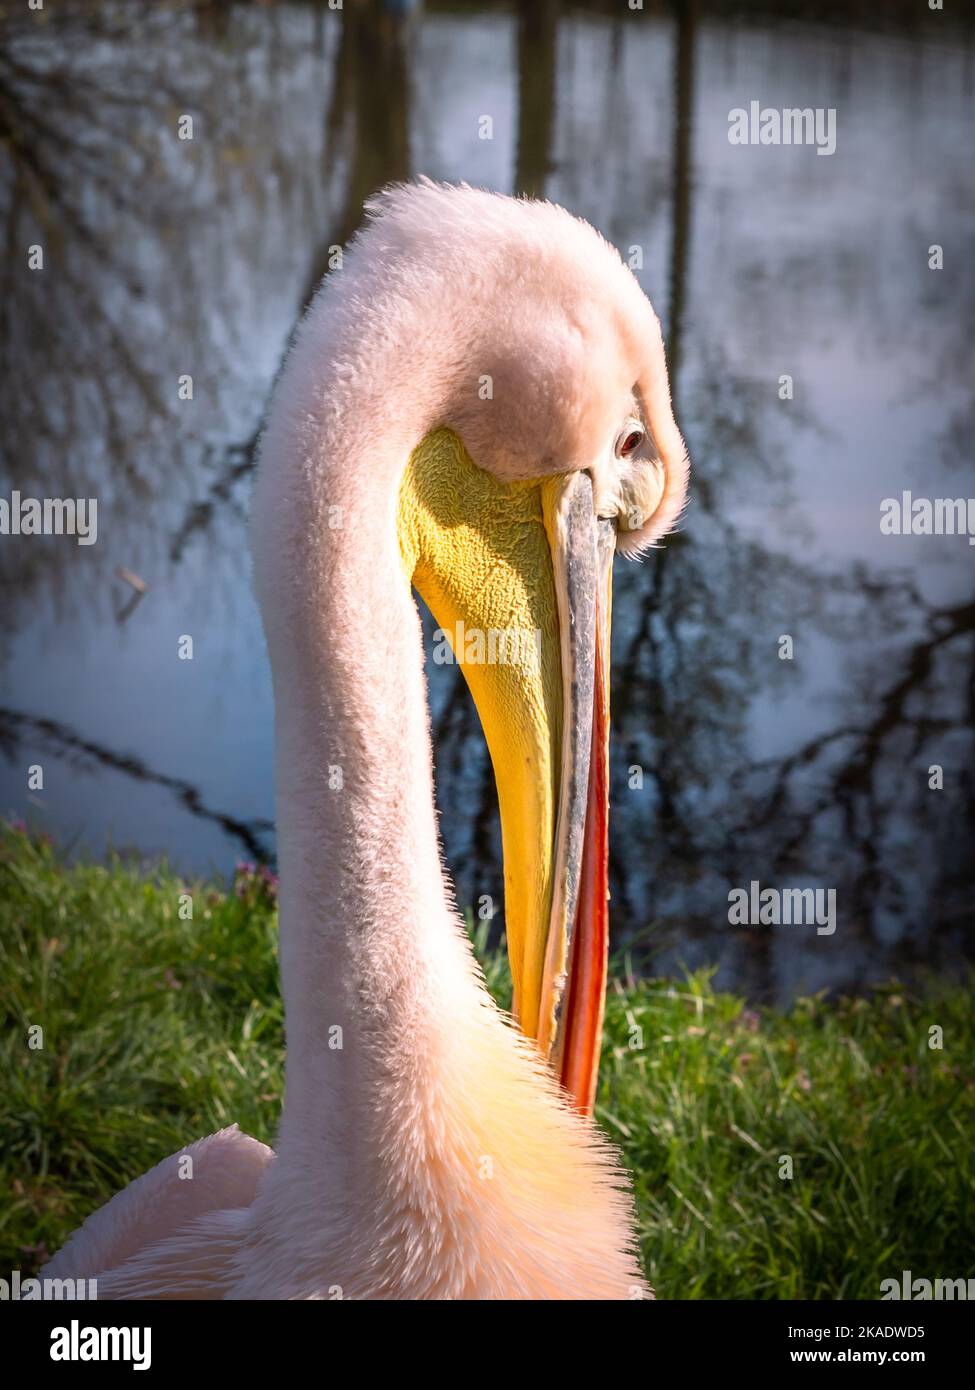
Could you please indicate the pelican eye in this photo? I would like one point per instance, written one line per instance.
(630, 440)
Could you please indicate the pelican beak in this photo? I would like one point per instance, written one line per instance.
(518, 575)
(570, 1024)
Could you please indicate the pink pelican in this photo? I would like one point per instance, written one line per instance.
(476, 406)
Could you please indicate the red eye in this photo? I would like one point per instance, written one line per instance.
(629, 443)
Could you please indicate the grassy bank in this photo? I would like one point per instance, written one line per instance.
(157, 1030)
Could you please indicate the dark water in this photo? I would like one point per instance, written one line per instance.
(166, 257)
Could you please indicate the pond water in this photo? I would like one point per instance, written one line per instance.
(166, 258)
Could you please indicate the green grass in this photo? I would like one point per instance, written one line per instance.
(157, 1030)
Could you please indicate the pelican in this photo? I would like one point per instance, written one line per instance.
(475, 406)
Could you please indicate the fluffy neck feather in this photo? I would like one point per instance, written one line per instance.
(366, 934)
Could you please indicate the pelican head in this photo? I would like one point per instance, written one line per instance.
(553, 446)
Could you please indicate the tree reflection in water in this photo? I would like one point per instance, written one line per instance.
(167, 257)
